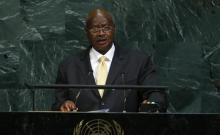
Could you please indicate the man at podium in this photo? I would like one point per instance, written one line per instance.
(107, 63)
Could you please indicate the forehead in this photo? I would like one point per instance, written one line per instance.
(100, 20)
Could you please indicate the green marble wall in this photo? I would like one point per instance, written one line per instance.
(182, 35)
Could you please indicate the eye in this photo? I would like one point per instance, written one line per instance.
(94, 30)
(107, 28)
(98, 29)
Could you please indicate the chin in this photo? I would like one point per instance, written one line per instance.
(102, 50)
(102, 47)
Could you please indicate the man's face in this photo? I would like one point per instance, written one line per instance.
(101, 33)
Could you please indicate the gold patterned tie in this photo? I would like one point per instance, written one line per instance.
(102, 73)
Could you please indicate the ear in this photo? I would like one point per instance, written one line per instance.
(86, 31)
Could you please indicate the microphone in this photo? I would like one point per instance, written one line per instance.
(90, 73)
(124, 91)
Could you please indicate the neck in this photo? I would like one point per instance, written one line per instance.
(104, 51)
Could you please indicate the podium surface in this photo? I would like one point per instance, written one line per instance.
(57, 123)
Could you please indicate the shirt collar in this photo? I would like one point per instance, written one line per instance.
(95, 55)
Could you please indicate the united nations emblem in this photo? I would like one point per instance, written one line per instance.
(98, 127)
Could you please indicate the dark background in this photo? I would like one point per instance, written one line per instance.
(183, 36)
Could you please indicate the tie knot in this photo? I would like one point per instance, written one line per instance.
(102, 59)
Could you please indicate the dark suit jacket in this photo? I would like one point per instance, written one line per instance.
(129, 67)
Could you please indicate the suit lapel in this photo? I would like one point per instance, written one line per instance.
(86, 68)
(116, 69)
(117, 66)
(88, 72)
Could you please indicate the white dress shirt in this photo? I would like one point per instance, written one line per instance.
(94, 57)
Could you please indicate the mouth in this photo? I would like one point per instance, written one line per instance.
(101, 41)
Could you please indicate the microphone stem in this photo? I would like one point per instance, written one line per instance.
(125, 98)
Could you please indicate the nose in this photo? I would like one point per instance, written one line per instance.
(101, 32)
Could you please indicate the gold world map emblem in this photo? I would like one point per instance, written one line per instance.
(98, 127)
